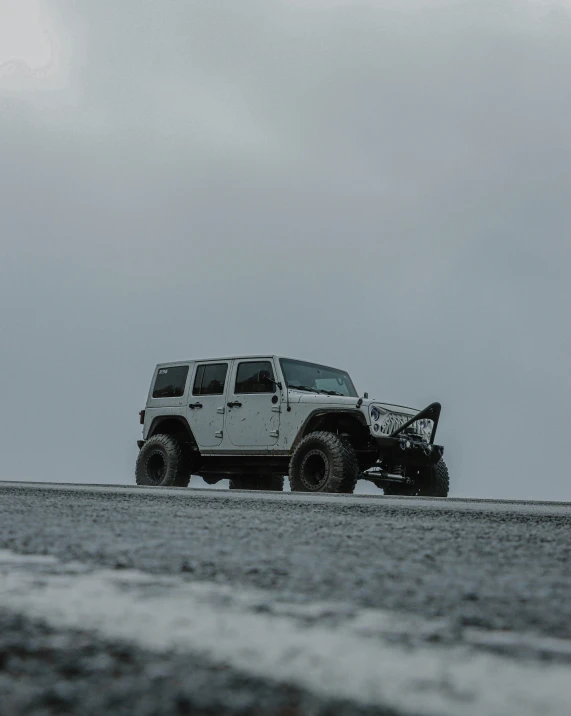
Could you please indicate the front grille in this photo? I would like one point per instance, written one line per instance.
(393, 421)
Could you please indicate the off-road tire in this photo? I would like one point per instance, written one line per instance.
(434, 481)
(349, 483)
(271, 483)
(161, 463)
(323, 462)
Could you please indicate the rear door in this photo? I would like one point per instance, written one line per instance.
(206, 402)
(253, 405)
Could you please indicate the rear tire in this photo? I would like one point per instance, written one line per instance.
(323, 462)
(161, 463)
(270, 483)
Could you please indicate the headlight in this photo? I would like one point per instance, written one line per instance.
(423, 427)
(375, 413)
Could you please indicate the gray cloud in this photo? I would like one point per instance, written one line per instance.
(383, 187)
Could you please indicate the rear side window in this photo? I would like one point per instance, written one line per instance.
(170, 382)
(210, 379)
(255, 378)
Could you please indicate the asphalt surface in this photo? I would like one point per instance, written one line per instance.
(492, 579)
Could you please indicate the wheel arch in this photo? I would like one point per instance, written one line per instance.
(177, 426)
(341, 420)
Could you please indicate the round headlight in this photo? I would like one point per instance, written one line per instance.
(375, 413)
(425, 427)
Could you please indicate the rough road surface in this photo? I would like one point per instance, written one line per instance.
(181, 601)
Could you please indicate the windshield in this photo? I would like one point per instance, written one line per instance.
(317, 378)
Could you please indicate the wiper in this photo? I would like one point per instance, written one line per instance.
(304, 387)
(315, 390)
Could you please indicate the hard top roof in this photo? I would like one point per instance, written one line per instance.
(259, 356)
(220, 358)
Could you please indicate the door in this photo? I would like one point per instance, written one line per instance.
(205, 412)
(253, 405)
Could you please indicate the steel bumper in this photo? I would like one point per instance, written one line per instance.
(407, 451)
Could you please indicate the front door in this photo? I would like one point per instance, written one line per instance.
(253, 405)
(206, 403)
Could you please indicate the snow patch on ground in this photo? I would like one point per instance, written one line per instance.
(334, 650)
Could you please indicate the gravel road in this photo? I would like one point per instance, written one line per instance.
(160, 601)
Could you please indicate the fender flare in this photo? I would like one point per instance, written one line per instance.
(160, 419)
(327, 411)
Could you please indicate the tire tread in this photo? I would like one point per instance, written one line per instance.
(176, 475)
(344, 471)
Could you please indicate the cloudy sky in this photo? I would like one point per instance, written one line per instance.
(381, 186)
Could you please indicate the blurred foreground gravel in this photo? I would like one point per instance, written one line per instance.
(502, 568)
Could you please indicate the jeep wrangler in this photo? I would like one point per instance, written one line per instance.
(254, 419)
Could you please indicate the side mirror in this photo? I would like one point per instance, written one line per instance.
(365, 395)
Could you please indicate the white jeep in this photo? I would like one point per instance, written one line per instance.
(254, 419)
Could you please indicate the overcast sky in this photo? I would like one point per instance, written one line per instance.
(383, 186)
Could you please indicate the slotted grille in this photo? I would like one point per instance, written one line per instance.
(393, 421)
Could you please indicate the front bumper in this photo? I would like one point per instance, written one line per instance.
(404, 450)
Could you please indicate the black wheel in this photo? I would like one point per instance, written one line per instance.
(323, 462)
(161, 462)
(434, 481)
(271, 483)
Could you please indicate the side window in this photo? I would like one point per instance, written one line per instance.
(170, 382)
(255, 378)
(210, 379)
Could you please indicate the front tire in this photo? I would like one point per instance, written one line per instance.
(161, 463)
(434, 481)
(323, 462)
(431, 481)
(271, 483)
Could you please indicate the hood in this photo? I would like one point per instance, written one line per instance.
(302, 396)
(343, 401)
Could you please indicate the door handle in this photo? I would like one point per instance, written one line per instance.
(235, 404)
(195, 405)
